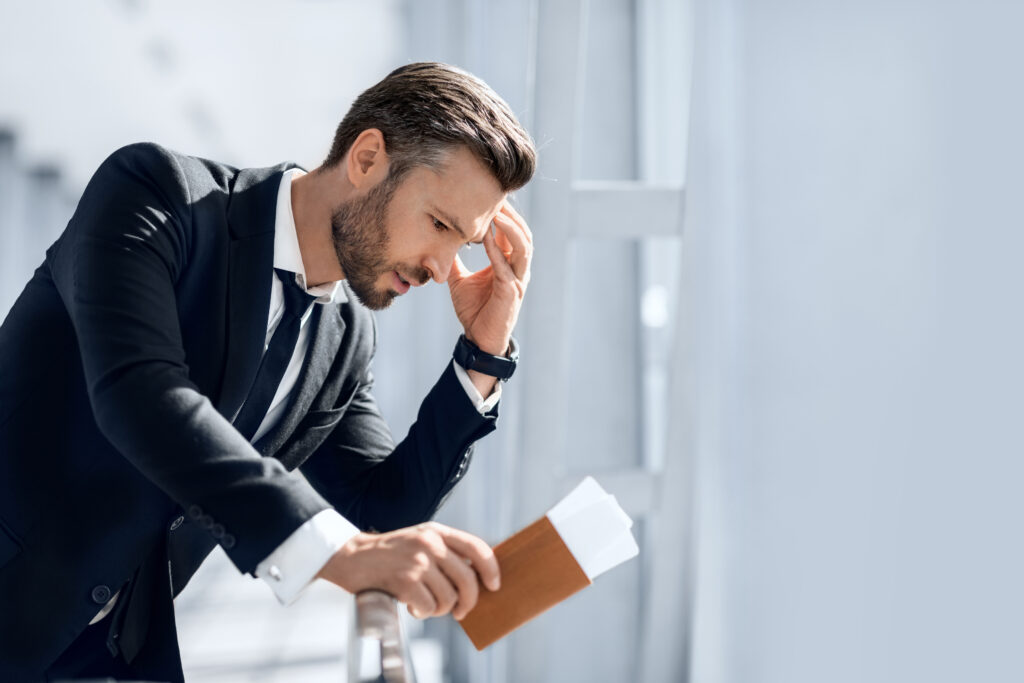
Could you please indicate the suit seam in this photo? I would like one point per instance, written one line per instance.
(189, 203)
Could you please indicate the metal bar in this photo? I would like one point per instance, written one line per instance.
(560, 55)
(377, 648)
(561, 29)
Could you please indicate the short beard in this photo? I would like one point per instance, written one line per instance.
(360, 237)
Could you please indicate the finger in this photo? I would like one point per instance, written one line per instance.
(503, 243)
(419, 600)
(499, 262)
(510, 210)
(458, 271)
(521, 249)
(445, 595)
(462, 576)
(480, 555)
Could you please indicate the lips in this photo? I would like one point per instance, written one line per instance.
(401, 286)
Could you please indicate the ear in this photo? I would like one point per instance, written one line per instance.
(367, 160)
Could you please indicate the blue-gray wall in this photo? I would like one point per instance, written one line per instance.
(853, 293)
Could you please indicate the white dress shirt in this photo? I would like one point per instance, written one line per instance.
(294, 563)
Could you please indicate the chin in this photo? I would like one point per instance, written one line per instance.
(375, 299)
(376, 294)
(384, 301)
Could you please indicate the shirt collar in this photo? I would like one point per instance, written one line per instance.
(287, 255)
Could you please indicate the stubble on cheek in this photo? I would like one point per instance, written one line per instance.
(360, 238)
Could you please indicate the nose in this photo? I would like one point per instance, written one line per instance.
(440, 264)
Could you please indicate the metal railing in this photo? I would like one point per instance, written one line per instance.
(377, 648)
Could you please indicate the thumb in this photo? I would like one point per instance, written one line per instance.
(458, 271)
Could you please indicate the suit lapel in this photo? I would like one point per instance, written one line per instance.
(251, 216)
(322, 349)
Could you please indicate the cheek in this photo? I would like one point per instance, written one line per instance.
(408, 247)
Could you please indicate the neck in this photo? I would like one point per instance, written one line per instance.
(313, 197)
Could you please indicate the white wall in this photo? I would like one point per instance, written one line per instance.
(853, 287)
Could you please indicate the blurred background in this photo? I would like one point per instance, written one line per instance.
(777, 261)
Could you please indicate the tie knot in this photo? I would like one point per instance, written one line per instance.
(296, 299)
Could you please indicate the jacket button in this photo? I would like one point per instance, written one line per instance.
(228, 541)
(101, 595)
(177, 522)
(194, 511)
(217, 531)
(206, 521)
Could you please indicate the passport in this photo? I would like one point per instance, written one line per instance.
(560, 554)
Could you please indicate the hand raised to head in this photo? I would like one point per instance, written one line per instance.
(487, 301)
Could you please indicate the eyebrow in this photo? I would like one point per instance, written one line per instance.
(453, 223)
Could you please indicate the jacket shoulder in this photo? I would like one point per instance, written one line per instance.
(148, 160)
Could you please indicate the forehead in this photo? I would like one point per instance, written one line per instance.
(462, 188)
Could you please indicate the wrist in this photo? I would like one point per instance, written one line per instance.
(339, 569)
(484, 383)
(490, 348)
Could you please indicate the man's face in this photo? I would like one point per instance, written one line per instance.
(405, 233)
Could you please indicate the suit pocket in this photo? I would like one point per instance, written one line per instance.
(311, 432)
(317, 419)
(9, 545)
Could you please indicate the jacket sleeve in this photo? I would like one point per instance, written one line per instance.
(115, 268)
(379, 486)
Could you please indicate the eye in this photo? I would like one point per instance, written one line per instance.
(438, 225)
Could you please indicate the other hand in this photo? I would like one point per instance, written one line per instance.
(431, 567)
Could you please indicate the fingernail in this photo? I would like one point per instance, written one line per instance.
(495, 584)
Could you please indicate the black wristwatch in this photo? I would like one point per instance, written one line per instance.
(470, 357)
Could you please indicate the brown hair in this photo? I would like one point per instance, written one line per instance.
(425, 109)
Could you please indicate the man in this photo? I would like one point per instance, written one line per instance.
(190, 367)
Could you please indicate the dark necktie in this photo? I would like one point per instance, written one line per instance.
(276, 358)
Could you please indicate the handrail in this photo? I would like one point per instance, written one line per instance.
(377, 650)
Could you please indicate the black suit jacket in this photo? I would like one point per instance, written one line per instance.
(139, 333)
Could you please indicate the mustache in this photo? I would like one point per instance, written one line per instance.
(417, 276)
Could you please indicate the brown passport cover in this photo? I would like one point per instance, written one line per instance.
(537, 572)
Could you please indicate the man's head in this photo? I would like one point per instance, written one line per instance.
(445, 150)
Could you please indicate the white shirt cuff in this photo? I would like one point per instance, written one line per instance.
(483, 405)
(295, 563)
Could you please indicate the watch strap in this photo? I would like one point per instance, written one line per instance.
(470, 357)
